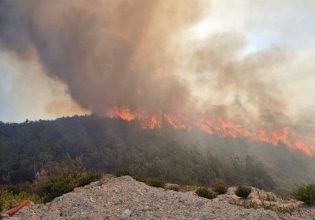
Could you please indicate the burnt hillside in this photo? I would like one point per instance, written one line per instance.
(107, 145)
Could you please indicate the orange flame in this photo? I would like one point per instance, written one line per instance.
(213, 126)
(146, 121)
(174, 122)
(123, 114)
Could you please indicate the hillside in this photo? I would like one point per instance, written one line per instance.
(108, 145)
(125, 198)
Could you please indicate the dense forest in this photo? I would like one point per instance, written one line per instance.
(107, 145)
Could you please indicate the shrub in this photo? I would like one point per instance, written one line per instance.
(120, 173)
(17, 188)
(188, 188)
(139, 178)
(156, 183)
(65, 183)
(173, 187)
(306, 194)
(251, 205)
(206, 193)
(219, 187)
(10, 199)
(243, 191)
(88, 178)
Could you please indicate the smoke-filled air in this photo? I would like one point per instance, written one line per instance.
(233, 68)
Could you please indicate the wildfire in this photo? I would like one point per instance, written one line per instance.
(174, 122)
(146, 121)
(123, 114)
(213, 126)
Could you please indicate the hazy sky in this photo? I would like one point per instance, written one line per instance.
(285, 24)
(26, 92)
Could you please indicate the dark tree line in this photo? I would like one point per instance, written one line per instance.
(107, 145)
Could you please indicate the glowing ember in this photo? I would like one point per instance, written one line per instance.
(175, 122)
(146, 121)
(123, 114)
(150, 122)
(213, 126)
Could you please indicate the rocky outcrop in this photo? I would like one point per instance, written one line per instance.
(125, 198)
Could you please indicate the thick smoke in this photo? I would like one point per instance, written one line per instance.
(248, 80)
(131, 54)
(111, 53)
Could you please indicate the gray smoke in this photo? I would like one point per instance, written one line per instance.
(109, 53)
(126, 53)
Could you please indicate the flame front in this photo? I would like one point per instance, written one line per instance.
(213, 126)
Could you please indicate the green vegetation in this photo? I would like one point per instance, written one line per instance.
(187, 188)
(306, 194)
(44, 189)
(219, 187)
(9, 199)
(173, 187)
(120, 173)
(105, 145)
(155, 183)
(243, 191)
(65, 183)
(206, 193)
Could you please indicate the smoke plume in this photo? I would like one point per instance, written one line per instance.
(109, 53)
(133, 54)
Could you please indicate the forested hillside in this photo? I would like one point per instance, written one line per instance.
(108, 145)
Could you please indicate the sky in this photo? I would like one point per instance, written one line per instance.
(289, 25)
(26, 93)
(269, 45)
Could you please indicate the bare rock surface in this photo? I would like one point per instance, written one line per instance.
(125, 198)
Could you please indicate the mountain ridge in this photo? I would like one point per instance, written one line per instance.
(107, 145)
